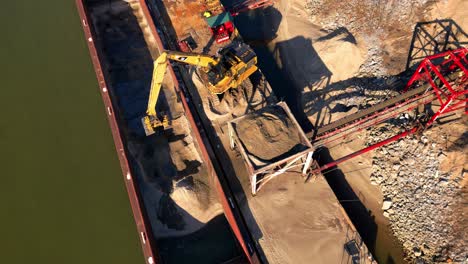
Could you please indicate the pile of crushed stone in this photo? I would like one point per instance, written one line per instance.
(423, 201)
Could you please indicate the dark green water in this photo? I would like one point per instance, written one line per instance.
(62, 195)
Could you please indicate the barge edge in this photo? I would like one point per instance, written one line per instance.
(147, 240)
(145, 234)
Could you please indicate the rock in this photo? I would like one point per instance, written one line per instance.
(424, 139)
(443, 182)
(379, 179)
(386, 205)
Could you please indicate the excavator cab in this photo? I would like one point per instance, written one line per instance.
(217, 73)
(239, 62)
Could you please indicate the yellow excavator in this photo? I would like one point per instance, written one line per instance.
(229, 69)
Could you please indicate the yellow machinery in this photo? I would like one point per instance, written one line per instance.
(234, 64)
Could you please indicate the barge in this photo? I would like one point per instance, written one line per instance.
(177, 202)
(191, 194)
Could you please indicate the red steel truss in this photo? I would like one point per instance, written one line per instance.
(446, 74)
(438, 71)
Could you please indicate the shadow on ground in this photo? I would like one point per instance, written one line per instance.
(432, 37)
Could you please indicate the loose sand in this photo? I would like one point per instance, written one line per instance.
(293, 221)
(176, 189)
(269, 135)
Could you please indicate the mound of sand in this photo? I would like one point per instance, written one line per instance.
(342, 57)
(269, 135)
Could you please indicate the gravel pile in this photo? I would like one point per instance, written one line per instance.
(384, 26)
(419, 199)
(366, 15)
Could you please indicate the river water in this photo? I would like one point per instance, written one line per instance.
(63, 198)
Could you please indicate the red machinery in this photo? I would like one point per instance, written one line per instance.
(221, 24)
(223, 32)
(442, 77)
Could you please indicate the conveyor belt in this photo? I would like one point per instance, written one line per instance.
(368, 111)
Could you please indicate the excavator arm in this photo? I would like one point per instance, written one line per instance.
(151, 121)
(219, 74)
(159, 70)
(199, 60)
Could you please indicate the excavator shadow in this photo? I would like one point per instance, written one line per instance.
(260, 30)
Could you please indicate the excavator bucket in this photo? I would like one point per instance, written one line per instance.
(152, 124)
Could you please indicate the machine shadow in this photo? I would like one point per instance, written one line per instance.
(434, 37)
(259, 29)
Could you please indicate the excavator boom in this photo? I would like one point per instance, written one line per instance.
(199, 60)
(159, 69)
(235, 65)
(151, 121)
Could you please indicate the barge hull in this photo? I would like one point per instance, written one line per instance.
(147, 239)
(143, 229)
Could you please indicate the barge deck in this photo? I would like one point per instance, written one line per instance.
(181, 184)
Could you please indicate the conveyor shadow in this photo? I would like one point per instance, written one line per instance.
(322, 103)
(432, 37)
(362, 218)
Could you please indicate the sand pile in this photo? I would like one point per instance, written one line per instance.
(269, 135)
(308, 53)
(174, 184)
(254, 93)
(342, 55)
